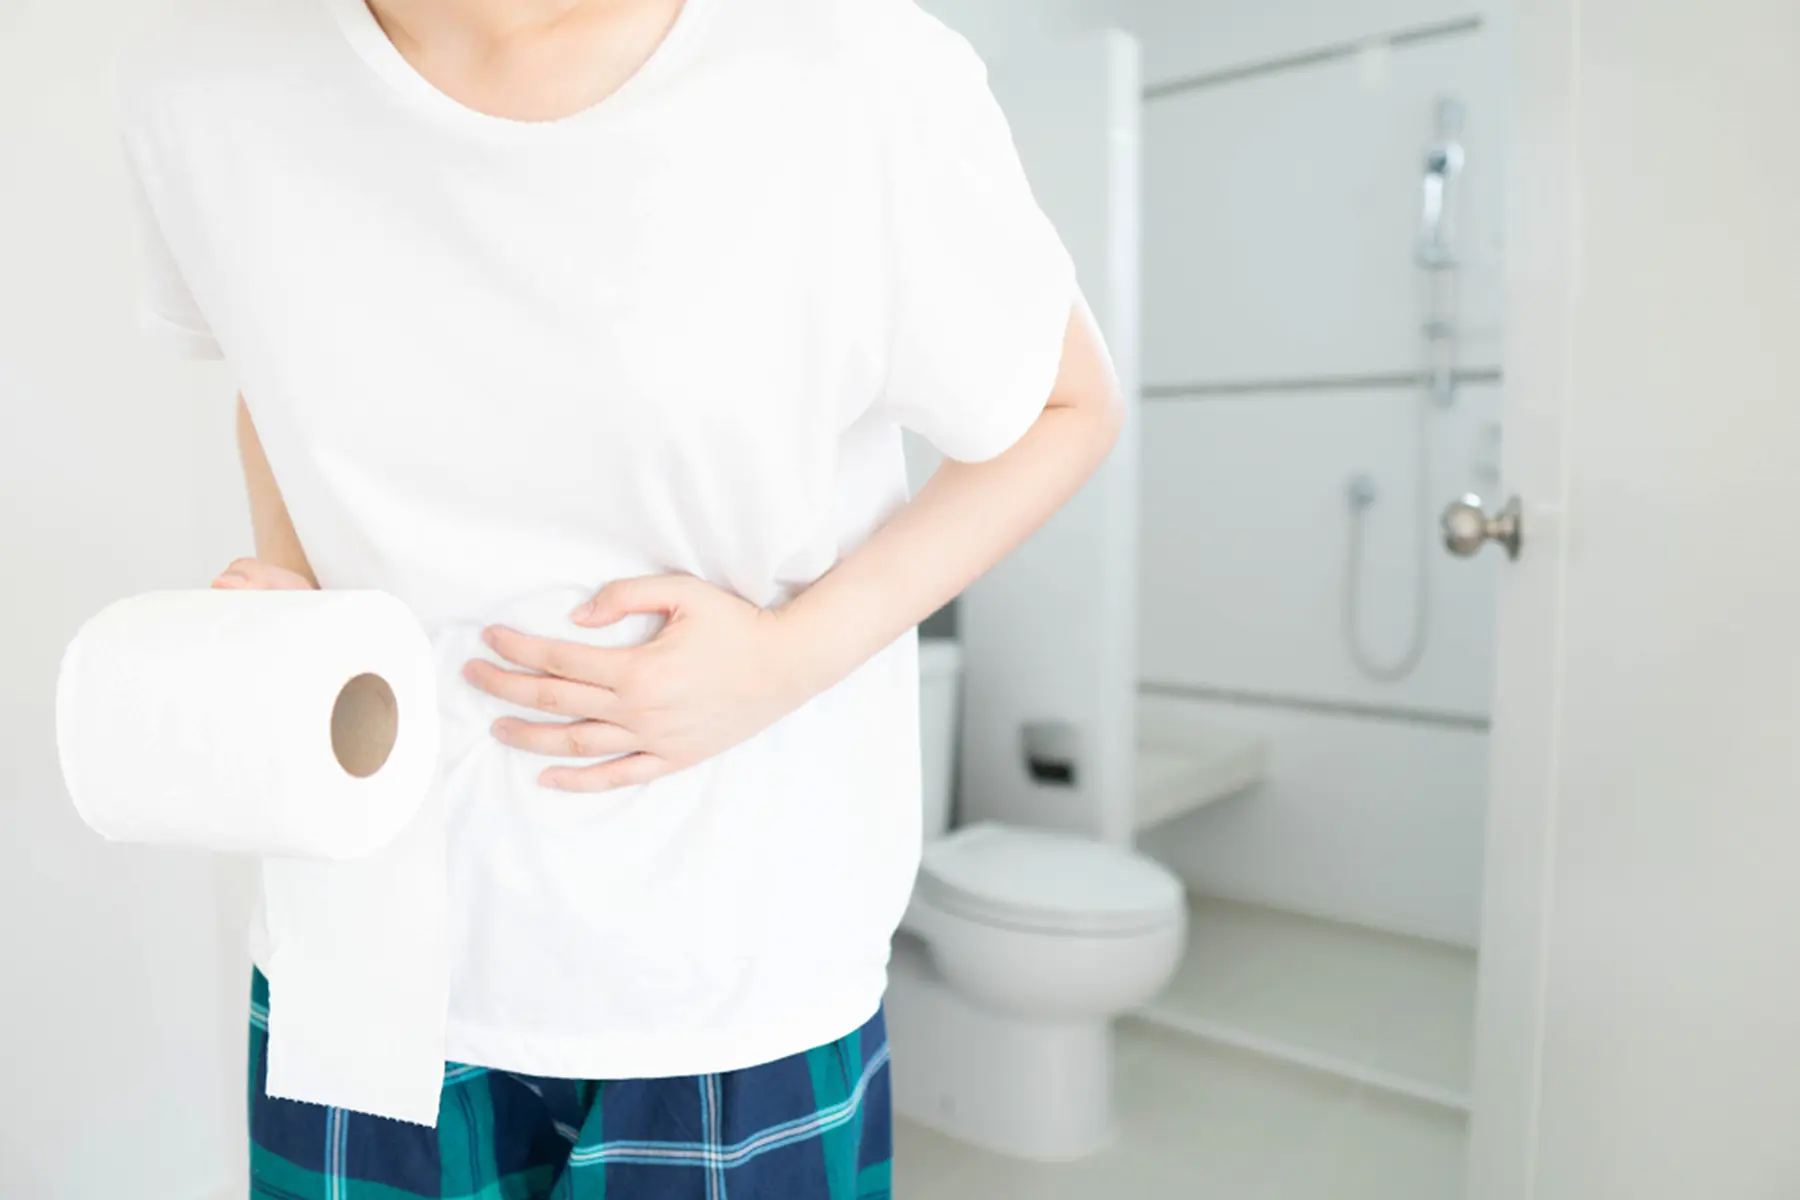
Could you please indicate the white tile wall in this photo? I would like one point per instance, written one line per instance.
(1246, 536)
(1369, 821)
(1183, 38)
(1281, 213)
(1281, 216)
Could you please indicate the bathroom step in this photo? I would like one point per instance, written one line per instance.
(1182, 767)
(1385, 1011)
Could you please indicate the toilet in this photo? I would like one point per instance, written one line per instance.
(1018, 949)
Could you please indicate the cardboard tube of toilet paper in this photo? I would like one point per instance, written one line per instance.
(301, 727)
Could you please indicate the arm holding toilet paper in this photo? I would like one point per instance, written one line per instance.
(280, 564)
(722, 669)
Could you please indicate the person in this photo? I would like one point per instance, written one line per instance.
(588, 328)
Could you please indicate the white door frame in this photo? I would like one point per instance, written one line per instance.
(1638, 1034)
(1541, 254)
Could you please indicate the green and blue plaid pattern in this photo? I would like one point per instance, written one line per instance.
(814, 1126)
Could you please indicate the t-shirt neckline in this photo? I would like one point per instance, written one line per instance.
(373, 45)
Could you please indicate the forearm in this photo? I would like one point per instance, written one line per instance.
(276, 541)
(964, 520)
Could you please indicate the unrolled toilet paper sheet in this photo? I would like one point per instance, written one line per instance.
(358, 972)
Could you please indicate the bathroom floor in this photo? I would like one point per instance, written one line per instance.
(1290, 1059)
(1201, 1121)
(1395, 1012)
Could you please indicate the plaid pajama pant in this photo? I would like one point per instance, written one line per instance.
(814, 1126)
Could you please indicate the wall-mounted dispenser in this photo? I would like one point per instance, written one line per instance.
(1052, 751)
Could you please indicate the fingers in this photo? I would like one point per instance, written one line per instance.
(253, 574)
(602, 777)
(559, 695)
(642, 594)
(598, 665)
(577, 739)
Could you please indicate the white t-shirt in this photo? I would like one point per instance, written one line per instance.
(497, 364)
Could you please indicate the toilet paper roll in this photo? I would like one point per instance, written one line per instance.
(301, 727)
(256, 722)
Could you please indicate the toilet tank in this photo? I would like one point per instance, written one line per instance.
(940, 679)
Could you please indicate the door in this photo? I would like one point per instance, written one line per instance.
(1639, 1028)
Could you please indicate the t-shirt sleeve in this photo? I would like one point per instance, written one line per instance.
(981, 287)
(166, 309)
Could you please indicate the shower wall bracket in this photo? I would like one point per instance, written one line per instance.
(1435, 251)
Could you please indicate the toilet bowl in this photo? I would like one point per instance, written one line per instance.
(1018, 949)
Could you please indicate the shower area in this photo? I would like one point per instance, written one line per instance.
(1318, 373)
(1321, 350)
(1312, 226)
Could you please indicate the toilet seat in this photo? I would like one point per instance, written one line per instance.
(1046, 882)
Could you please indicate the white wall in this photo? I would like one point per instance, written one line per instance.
(1246, 545)
(995, 26)
(1035, 648)
(1183, 38)
(1281, 208)
(1343, 796)
(1285, 206)
(121, 1011)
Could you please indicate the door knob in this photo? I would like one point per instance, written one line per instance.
(1466, 526)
